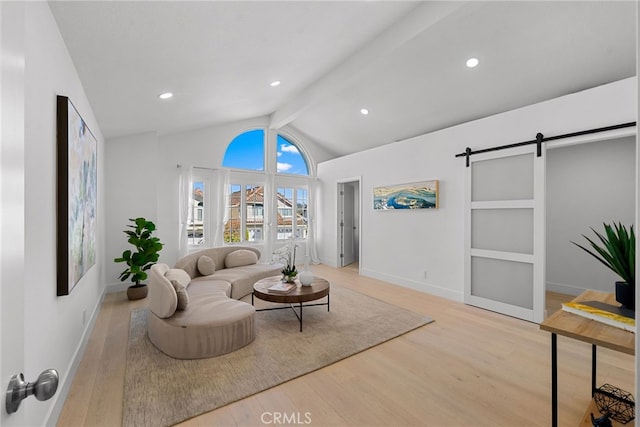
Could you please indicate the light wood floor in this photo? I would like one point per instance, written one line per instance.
(471, 367)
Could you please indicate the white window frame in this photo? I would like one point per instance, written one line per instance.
(243, 179)
(206, 210)
(295, 182)
(271, 180)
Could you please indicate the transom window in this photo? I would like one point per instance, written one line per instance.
(289, 158)
(246, 151)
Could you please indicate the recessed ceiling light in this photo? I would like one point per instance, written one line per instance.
(275, 83)
(165, 95)
(472, 62)
(364, 111)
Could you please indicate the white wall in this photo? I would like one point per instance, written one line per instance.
(587, 184)
(132, 171)
(142, 179)
(400, 246)
(54, 326)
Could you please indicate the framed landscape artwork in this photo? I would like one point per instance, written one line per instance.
(77, 196)
(418, 195)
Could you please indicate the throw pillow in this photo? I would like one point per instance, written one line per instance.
(206, 266)
(240, 258)
(179, 276)
(181, 293)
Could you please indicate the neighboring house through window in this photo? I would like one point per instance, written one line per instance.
(247, 199)
(292, 213)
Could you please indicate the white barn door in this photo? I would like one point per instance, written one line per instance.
(504, 232)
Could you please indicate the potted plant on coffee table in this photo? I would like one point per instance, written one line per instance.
(146, 253)
(287, 255)
(618, 253)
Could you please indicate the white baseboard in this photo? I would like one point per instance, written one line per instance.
(330, 263)
(412, 284)
(564, 288)
(116, 287)
(67, 378)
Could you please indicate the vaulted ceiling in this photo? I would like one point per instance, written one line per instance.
(403, 61)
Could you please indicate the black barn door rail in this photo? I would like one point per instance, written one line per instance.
(540, 138)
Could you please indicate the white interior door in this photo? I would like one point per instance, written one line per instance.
(347, 222)
(504, 233)
(12, 211)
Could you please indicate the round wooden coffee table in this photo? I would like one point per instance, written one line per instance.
(319, 288)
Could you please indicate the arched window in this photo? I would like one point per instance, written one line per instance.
(246, 151)
(290, 160)
(246, 204)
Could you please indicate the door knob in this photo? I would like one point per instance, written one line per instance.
(43, 389)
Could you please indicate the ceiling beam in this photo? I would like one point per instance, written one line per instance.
(417, 21)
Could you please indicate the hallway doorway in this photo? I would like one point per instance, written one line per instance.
(348, 222)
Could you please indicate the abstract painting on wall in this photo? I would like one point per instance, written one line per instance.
(77, 196)
(418, 195)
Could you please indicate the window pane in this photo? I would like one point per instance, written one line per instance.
(254, 202)
(290, 160)
(302, 211)
(244, 214)
(233, 206)
(246, 151)
(293, 213)
(285, 213)
(195, 216)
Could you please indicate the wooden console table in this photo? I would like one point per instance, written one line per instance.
(583, 329)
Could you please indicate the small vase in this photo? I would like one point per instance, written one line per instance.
(306, 277)
(626, 295)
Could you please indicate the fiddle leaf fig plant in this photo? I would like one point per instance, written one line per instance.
(617, 250)
(146, 253)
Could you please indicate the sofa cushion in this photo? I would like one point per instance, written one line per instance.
(206, 266)
(240, 258)
(179, 275)
(181, 293)
(212, 325)
(208, 284)
(243, 278)
(189, 263)
(162, 296)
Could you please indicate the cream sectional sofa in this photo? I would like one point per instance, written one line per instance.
(194, 315)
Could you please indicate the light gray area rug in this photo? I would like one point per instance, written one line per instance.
(161, 391)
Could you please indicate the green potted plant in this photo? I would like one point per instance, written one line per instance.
(617, 252)
(146, 254)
